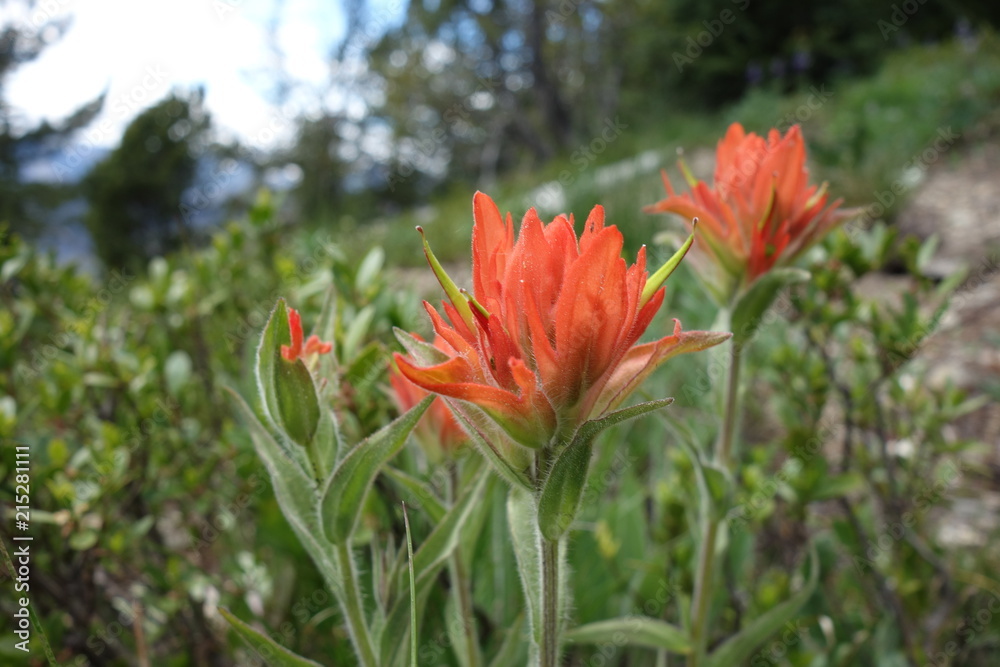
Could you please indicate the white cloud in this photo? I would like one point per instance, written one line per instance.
(139, 51)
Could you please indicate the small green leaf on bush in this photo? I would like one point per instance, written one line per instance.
(177, 371)
(835, 486)
(736, 649)
(356, 332)
(369, 269)
(83, 540)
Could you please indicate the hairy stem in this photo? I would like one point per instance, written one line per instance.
(710, 526)
(549, 649)
(461, 585)
(350, 600)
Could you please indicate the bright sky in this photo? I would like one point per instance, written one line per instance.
(139, 50)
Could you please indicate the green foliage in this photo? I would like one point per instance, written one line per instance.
(150, 505)
(154, 504)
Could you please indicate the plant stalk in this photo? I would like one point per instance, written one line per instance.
(462, 586)
(350, 601)
(549, 649)
(724, 447)
(710, 526)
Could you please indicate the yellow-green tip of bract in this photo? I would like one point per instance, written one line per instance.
(449, 286)
(656, 280)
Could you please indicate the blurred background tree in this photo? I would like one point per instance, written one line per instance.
(135, 192)
(27, 202)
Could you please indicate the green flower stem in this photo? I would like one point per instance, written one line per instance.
(350, 601)
(710, 526)
(463, 586)
(702, 591)
(549, 649)
(724, 449)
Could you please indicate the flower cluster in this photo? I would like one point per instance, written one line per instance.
(761, 212)
(548, 339)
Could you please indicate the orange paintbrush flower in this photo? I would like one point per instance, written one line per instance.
(761, 213)
(548, 339)
(437, 430)
(297, 350)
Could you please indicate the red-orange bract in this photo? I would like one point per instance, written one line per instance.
(296, 350)
(761, 212)
(437, 430)
(549, 338)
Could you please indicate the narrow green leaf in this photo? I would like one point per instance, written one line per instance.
(633, 631)
(738, 648)
(418, 494)
(926, 252)
(413, 590)
(346, 487)
(591, 428)
(268, 650)
(512, 649)
(298, 404)
(369, 269)
(356, 332)
(325, 444)
(754, 302)
(429, 559)
(295, 492)
(276, 332)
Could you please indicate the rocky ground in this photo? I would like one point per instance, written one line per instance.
(960, 203)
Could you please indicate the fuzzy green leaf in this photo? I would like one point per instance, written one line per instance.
(295, 491)
(633, 631)
(287, 388)
(563, 487)
(346, 488)
(268, 650)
